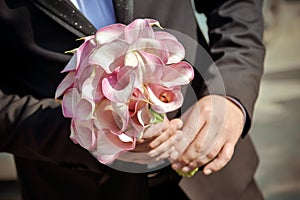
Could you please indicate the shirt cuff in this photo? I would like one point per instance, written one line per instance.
(239, 105)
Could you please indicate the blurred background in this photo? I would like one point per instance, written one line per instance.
(276, 126)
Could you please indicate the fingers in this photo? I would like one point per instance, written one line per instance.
(195, 149)
(163, 145)
(200, 151)
(218, 161)
(168, 131)
(195, 156)
(221, 160)
(211, 136)
(163, 137)
(167, 149)
(194, 153)
(193, 124)
(175, 124)
(170, 152)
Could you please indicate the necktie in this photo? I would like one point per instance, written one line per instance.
(99, 12)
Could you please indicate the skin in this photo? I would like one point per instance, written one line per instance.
(208, 135)
(163, 140)
(157, 147)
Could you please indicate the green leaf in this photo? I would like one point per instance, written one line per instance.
(188, 174)
(158, 117)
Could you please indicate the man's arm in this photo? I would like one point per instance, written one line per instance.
(215, 123)
(36, 129)
(235, 30)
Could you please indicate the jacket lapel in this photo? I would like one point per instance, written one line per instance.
(66, 14)
(124, 10)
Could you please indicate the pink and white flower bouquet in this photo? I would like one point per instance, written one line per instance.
(119, 82)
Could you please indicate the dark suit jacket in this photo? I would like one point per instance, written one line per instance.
(34, 36)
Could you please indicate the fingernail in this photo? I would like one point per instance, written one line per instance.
(176, 166)
(158, 159)
(207, 171)
(185, 169)
(153, 144)
(174, 155)
(152, 154)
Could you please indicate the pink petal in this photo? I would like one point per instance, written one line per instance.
(121, 112)
(139, 122)
(69, 102)
(84, 109)
(163, 35)
(177, 74)
(163, 99)
(109, 33)
(134, 129)
(110, 55)
(151, 46)
(118, 86)
(137, 101)
(139, 28)
(144, 117)
(176, 50)
(111, 116)
(83, 134)
(83, 53)
(109, 146)
(65, 84)
(71, 65)
(92, 86)
(83, 75)
(151, 67)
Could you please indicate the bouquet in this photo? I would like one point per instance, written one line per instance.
(119, 82)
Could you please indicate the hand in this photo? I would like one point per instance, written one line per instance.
(163, 146)
(157, 144)
(211, 130)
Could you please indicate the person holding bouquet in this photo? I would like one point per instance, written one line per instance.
(212, 145)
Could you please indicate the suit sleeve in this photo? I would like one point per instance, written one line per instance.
(31, 122)
(36, 129)
(235, 30)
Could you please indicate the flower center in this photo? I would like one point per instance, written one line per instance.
(164, 97)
